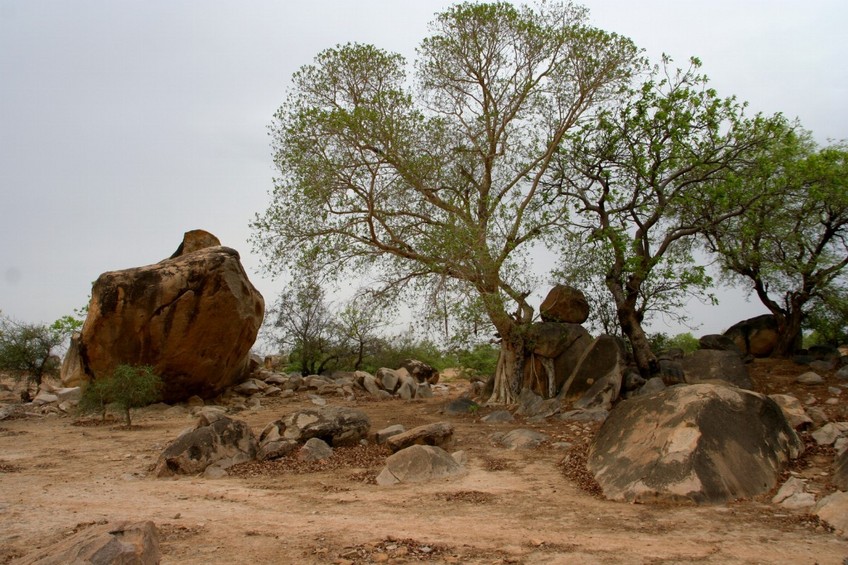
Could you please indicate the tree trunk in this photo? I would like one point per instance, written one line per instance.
(788, 334)
(507, 383)
(645, 360)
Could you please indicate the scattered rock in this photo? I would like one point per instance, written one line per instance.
(833, 509)
(809, 378)
(336, 425)
(829, 433)
(460, 406)
(698, 443)
(222, 442)
(793, 495)
(118, 543)
(315, 450)
(498, 417)
(793, 410)
(520, 439)
(593, 415)
(418, 463)
(383, 435)
(439, 434)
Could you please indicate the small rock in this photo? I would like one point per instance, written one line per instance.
(522, 439)
(315, 449)
(497, 417)
(383, 435)
(809, 378)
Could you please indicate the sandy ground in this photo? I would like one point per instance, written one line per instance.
(58, 477)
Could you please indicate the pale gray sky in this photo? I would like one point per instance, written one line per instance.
(124, 124)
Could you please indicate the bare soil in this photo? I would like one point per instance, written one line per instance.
(59, 475)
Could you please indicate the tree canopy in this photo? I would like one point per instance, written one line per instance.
(441, 177)
(791, 248)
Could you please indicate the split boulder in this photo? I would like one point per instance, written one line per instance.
(117, 543)
(216, 441)
(418, 463)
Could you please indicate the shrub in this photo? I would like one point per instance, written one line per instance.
(129, 387)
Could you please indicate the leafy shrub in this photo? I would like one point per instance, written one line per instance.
(129, 387)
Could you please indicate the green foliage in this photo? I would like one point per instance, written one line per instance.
(791, 247)
(393, 351)
(438, 178)
(684, 341)
(827, 321)
(27, 350)
(480, 360)
(638, 181)
(129, 387)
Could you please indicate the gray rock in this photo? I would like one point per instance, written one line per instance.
(424, 391)
(829, 433)
(823, 366)
(593, 415)
(460, 406)
(603, 357)
(712, 364)
(840, 471)
(534, 407)
(223, 442)
(498, 417)
(315, 450)
(602, 394)
(408, 388)
(117, 543)
(250, 387)
(793, 495)
(383, 435)
(387, 379)
(334, 424)
(521, 439)
(833, 509)
(420, 371)
(702, 443)
(418, 463)
(653, 385)
(439, 434)
(793, 410)
(842, 373)
(810, 378)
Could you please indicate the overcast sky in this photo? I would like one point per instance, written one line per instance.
(124, 124)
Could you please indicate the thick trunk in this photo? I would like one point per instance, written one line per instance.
(508, 373)
(645, 360)
(788, 334)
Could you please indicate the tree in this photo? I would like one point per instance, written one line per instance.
(127, 388)
(28, 349)
(792, 247)
(357, 326)
(305, 326)
(638, 179)
(443, 179)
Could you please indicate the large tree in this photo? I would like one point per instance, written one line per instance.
(640, 179)
(792, 246)
(441, 178)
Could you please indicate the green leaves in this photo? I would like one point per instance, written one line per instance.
(127, 388)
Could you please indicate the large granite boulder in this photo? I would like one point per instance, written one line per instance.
(565, 304)
(556, 349)
(193, 318)
(755, 336)
(216, 441)
(713, 364)
(603, 359)
(699, 443)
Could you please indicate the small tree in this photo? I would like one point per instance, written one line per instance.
(27, 350)
(129, 387)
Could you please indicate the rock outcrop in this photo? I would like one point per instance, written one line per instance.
(692, 443)
(193, 318)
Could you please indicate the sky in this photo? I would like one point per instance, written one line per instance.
(124, 124)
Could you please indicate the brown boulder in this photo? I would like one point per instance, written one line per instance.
(605, 356)
(565, 304)
(193, 318)
(116, 543)
(554, 346)
(195, 240)
(755, 336)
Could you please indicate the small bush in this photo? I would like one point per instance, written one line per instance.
(129, 387)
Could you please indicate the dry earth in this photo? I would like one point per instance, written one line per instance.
(58, 476)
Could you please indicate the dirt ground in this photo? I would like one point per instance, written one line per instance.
(58, 477)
